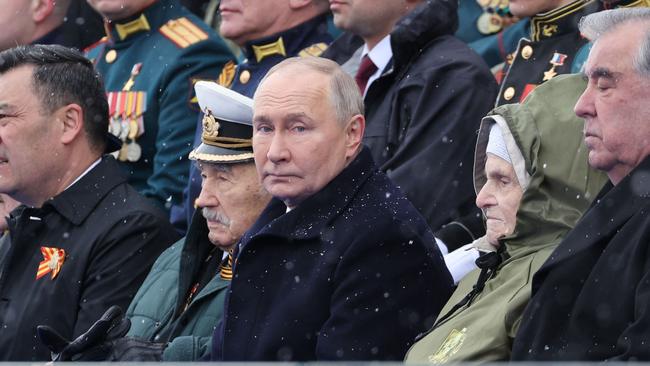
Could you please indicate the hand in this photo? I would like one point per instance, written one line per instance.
(88, 346)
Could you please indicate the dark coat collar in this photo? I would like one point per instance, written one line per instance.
(613, 206)
(310, 217)
(293, 39)
(78, 201)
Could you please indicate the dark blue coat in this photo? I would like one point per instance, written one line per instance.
(352, 273)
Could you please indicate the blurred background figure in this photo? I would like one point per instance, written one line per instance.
(70, 23)
(154, 52)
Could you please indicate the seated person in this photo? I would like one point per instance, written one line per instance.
(339, 265)
(181, 301)
(83, 239)
(534, 183)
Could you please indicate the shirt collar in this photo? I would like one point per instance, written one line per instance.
(381, 54)
(85, 172)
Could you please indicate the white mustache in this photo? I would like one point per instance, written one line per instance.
(214, 215)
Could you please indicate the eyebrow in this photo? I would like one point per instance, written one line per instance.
(601, 72)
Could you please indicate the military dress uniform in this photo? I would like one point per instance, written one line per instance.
(150, 62)
(310, 38)
(554, 42)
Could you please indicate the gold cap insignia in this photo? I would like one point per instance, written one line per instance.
(210, 127)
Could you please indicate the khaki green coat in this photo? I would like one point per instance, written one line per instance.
(559, 189)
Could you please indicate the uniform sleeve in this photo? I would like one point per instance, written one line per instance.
(119, 264)
(387, 290)
(439, 112)
(177, 118)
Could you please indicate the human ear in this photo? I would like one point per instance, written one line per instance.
(71, 122)
(41, 10)
(354, 134)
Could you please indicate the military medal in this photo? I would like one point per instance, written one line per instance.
(489, 23)
(52, 262)
(557, 60)
(494, 16)
(126, 110)
(133, 151)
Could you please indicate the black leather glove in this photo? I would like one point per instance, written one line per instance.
(90, 345)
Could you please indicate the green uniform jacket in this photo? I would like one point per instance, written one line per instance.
(560, 189)
(154, 311)
(163, 63)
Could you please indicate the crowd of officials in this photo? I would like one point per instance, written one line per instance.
(431, 181)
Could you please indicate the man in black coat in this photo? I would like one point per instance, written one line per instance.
(339, 266)
(83, 239)
(591, 298)
(425, 94)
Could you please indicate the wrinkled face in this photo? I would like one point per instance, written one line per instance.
(615, 106)
(529, 8)
(15, 22)
(231, 199)
(28, 143)
(299, 144)
(119, 9)
(246, 20)
(367, 18)
(499, 198)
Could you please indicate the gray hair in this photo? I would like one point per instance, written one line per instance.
(598, 24)
(344, 93)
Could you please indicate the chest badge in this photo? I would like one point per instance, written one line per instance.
(557, 60)
(449, 347)
(52, 262)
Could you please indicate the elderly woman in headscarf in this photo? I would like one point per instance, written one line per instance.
(533, 184)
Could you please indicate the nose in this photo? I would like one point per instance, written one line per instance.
(485, 198)
(206, 197)
(278, 150)
(585, 107)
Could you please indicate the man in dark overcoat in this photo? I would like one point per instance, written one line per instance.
(591, 298)
(339, 266)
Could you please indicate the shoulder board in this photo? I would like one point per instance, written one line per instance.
(182, 32)
(94, 45)
(314, 50)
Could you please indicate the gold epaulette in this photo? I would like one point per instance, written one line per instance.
(182, 32)
(314, 50)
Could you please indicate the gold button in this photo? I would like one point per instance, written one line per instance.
(245, 76)
(509, 93)
(111, 56)
(526, 52)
